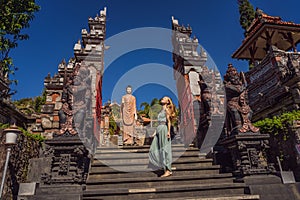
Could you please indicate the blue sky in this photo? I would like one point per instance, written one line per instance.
(57, 27)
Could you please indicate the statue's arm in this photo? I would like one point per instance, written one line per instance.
(135, 112)
(121, 108)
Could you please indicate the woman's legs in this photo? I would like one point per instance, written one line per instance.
(160, 153)
(165, 143)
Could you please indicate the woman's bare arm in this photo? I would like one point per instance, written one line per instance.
(169, 126)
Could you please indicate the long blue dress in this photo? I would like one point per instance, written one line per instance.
(160, 153)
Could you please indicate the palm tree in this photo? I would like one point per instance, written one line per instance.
(150, 110)
(146, 109)
(154, 109)
(155, 101)
(116, 111)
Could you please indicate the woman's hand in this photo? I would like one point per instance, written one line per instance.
(169, 135)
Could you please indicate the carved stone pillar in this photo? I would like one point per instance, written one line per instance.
(248, 153)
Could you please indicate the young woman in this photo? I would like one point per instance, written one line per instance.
(160, 154)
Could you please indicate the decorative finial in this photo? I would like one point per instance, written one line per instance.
(103, 12)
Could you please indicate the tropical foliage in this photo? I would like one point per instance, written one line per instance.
(282, 137)
(31, 105)
(116, 111)
(114, 129)
(150, 110)
(278, 125)
(15, 15)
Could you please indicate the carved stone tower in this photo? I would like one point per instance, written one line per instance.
(195, 83)
(69, 119)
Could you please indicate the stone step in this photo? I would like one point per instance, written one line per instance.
(142, 182)
(141, 149)
(130, 155)
(151, 174)
(123, 173)
(145, 161)
(144, 168)
(238, 197)
(135, 178)
(167, 191)
(174, 146)
(161, 183)
(51, 197)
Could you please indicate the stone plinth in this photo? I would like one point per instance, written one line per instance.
(65, 192)
(69, 161)
(248, 153)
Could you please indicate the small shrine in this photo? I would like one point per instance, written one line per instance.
(264, 32)
(273, 82)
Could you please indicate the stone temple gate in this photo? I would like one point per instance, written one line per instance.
(200, 93)
(70, 116)
(74, 94)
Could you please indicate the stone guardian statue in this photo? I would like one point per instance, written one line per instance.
(238, 119)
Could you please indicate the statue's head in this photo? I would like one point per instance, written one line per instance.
(77, 80)
(232, 75)
(128, 89)
(231, 70)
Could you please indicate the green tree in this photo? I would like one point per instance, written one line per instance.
(278, 125)
(116, 111)
(150, 110)
(155, 101)
(39, 101)
(144, 109)
(282, 137)
(15, 15)
(247, 14)
(113, 126)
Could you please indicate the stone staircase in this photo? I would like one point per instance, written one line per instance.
(123, 173)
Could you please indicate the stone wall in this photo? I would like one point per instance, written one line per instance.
(25, 149)
(9, 114)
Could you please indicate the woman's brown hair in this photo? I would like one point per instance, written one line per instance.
(170, 108)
